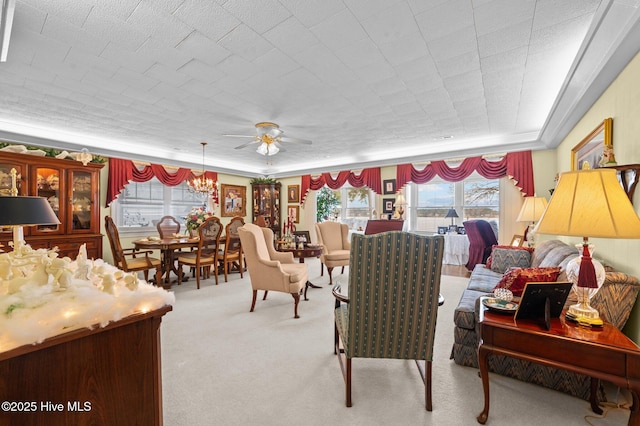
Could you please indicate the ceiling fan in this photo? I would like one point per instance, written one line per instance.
(269, 139)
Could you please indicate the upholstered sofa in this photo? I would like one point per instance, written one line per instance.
(614, 302)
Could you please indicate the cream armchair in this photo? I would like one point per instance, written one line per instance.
(336, 248)
(268, 268)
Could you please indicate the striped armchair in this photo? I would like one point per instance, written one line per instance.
(394, 284)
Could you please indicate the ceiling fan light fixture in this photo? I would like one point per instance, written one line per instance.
(267, 149)
(268, 128)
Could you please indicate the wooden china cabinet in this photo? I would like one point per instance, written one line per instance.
(73, 191)
(266, 202)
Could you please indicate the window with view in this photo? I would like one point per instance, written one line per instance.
(472, 198)
(141, 204)
(351, 205)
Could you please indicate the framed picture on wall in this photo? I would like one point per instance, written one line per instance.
(596, 149)
(233, 200)
(388, 204)
(389, 186)
(293, 213)
(293, 193)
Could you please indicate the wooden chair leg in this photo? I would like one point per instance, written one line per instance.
(329, 270)
(336, 338)
(215, 271)
(145, 274)
(296, 298)
(241, 267)
(198, 272)
(342, 272)
(321, 269)
(253, 302)
(226, 271)
(265, 295)
(427, 387)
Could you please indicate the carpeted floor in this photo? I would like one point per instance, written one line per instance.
(222, 365)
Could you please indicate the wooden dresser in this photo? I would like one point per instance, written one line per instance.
(73, 190)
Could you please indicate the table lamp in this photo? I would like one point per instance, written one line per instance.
(531, 210)
(452, 213)
(400, 205)
(588, 203)
(18, 211)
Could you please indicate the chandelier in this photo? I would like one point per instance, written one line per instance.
(200, 185)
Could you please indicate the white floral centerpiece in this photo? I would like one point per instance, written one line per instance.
(196, 217)
(43, 295)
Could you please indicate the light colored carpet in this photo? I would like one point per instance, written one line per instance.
(222, 365)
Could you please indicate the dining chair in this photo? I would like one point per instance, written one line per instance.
(334, 239)
(168, 226)
(232, 251)
(131, 259)
(393, 296)
(206, 254)
(271, 270)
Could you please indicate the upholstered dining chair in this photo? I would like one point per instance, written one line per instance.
(334, 239)
(130, 259)
(168, 226)
(231, 254)
(394, 287)
(205, 256)
(481, 240)
(269, 269)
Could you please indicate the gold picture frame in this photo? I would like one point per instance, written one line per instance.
(596, 149)
(293, 193)
(517, 241)
(234, 200)
(293, 212)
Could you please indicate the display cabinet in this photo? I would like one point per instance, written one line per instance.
(266, 203)
(73, 191)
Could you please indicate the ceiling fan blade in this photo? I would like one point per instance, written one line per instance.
(296, 140)
(280, 147)
(240, 136)
(246, 144)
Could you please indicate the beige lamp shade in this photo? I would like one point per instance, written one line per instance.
(590, 203)
(532, 209)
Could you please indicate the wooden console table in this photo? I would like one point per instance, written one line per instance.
(605, 354)
(99, 376)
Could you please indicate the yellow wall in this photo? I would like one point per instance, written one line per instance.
(621, 101)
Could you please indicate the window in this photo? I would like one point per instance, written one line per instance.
(353, 206)
(141, 204)
(472, 198)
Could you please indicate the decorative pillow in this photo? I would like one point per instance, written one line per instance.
(516, 278)
(504, 259)
(496, 246)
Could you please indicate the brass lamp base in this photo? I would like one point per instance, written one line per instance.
(584, 314)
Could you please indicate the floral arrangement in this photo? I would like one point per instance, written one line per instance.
(196, 217)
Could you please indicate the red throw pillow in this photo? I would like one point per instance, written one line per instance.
(516, 278)
(495, 246)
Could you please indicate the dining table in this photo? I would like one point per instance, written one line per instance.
(167, 248)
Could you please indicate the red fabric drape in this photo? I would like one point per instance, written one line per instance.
(515, 165)
(121, 172)
(368, 177)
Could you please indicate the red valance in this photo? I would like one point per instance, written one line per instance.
(368, 177)
(121, 172)
(514, 165)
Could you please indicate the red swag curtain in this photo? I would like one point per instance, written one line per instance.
(368, 177)
(122, 172)
(515, 165)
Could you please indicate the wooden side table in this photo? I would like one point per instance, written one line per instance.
(301, 254)
(604, 353)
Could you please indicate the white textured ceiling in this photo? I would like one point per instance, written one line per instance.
(370, 82)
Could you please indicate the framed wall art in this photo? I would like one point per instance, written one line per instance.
(293, 213)
(234, 199)
(596, 149)
(388, 204)
(389, 186)
(293, 193)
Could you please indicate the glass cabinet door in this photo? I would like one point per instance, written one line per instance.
(48, 185)
(6, 183)
(82, 208)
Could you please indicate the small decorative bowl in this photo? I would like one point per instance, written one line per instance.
(503, 294)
